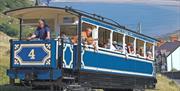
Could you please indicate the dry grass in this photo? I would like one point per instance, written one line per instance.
(4, 57)
(165, 84)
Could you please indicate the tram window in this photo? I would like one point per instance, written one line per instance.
(149, 51)
(118, 41)
(129, 44)
(104, 38)
(140, 48)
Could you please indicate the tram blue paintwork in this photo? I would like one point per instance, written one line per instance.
(40, 74)
(105, 61)
(20, 71)
(111, 62)
(26, 50)
(115, 64)
(40, 53)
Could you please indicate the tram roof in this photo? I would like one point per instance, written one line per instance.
(41, 11)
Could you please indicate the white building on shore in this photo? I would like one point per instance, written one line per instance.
(171, 52)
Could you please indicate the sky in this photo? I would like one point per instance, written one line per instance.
(157, 17)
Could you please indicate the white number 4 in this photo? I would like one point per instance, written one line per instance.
(32, 54)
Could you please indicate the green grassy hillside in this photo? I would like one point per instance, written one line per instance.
(10, 25)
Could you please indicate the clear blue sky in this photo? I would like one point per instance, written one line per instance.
(155, 19)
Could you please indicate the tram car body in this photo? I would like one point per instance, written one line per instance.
(58, 62)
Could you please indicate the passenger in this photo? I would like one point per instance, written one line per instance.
(139, 52)
(118, 46)
(109, 46)
(84, 35)
(74, 39)
(65, 38)
(101, 44)
(42, 31)
(130, 48)
(149, 55)
(86, 38)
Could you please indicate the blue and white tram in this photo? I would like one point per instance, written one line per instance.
(123, 59)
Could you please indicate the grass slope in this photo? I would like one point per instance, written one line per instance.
(165, 84)
(4, 57)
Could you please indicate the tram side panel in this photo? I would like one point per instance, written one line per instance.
(108, 69)
(114, 70)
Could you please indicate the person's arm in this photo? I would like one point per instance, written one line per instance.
(48, 33)
(32, 37)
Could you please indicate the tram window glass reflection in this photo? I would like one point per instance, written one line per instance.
(104, 38)
(118, 41)
(129, 44)
(140, 48)
(149, 50)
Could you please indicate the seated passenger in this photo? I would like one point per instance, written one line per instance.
(86, 38)
(42, 31)
(74, 39)
(109, 46)
(101, 44)
(65, 38)
(149, 55)
(118, 47)
(130, 48)
(84, 35)
(139, 52)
